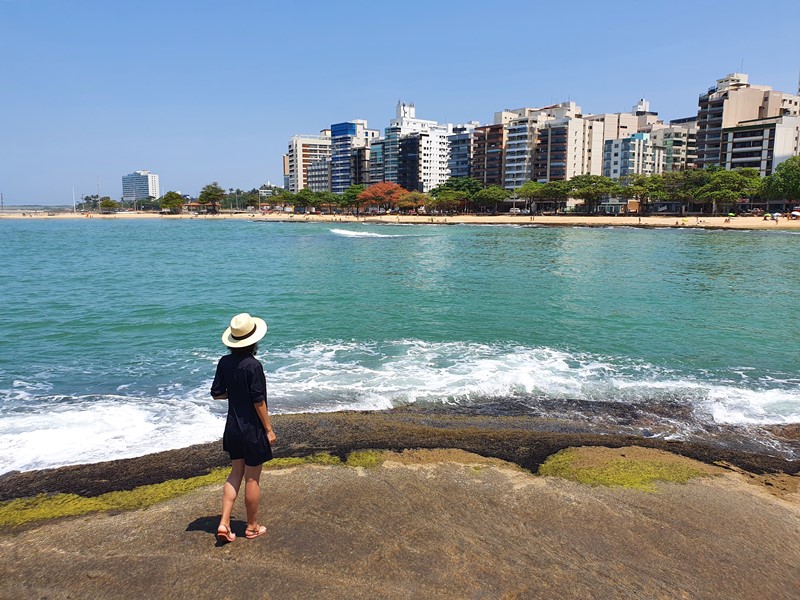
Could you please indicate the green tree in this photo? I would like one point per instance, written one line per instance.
(784, 183)
(211, 196)
(682, 186)
(412, 201)
(644, 189)
(592, 189)
(530, 191)
(251, 199)
(91, 202)
(556, 192)
(349, 197)
(328, 199)
(491, 196)
(469, 185)
(283, 199)
(448, 200)
(172, 201)
(304, 199)
(108, 205)
(726, 188)
(148, 203)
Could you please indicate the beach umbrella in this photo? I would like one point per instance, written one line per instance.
(776, 214)
(796, 213)
(731, 214)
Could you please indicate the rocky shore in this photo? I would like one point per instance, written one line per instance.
(526, 441)
(450, 508)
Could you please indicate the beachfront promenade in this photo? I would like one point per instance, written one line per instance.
(649, 221)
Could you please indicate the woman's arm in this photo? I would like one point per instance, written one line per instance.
(261, 411)
(219, 390)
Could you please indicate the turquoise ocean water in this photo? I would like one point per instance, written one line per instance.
(111, 328)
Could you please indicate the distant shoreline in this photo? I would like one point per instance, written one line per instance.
(650, 221)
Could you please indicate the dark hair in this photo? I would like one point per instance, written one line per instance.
(246, 350)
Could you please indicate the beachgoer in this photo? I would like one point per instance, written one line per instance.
(248, 436)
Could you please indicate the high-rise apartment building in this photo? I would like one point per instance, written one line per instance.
(568, 147)
(679, 142)
(376, 170)
(633, 155)
(488, 154)
(461, 149)
(408, 162)
(522, 127)
(140, 185)
(617, 126)
(350, 145)
(731, 102)
(304, 150)
(761, 144)
(434, 150)
(319, 175)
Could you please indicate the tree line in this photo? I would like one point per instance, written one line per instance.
(713, 188)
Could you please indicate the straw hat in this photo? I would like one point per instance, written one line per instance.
(244, 331)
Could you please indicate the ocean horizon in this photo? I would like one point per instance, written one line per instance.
(112, 328)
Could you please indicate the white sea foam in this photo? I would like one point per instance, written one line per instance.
(321, 376)
(93, 429)
(39, 429)
(362, 234)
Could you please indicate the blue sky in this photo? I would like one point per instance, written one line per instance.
(207, 91)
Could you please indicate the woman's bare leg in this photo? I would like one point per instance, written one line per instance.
(252, 494)
(230, 490)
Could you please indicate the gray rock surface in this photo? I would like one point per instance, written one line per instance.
(430, 524)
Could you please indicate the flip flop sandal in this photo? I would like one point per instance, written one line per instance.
(224, 534)
(251, 534)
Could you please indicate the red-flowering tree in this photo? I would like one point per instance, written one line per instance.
(384, 195)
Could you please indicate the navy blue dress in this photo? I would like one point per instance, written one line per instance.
(242, 377)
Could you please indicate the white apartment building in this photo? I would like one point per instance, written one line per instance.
(140, 185)
(617, 126)
(633, 155)
(434, 152)
(679, 142)
(761, 144)
(568, 147)
(522, 127)
(304, 150)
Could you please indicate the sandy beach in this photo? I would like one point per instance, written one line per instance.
(436, 513)
(703, 222)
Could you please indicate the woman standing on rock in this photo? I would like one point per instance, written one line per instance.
(248, 436)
